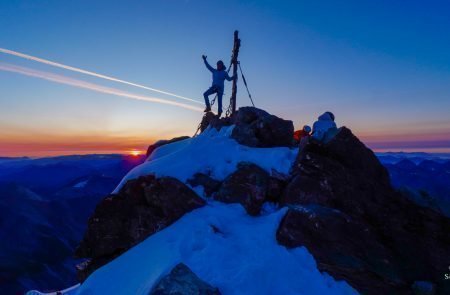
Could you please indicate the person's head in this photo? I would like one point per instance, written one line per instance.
(307, 129)
(331, 115)
(220, 65)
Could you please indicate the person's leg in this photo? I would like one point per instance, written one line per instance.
(207, 93)
(219, 100)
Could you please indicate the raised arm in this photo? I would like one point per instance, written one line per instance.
(210, 68)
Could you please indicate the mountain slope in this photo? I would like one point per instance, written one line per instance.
(41, 223)
(226, 248)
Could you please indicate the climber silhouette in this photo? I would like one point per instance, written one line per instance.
(218, 75)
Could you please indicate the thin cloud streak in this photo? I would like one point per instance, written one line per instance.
(86, 85)
(58, 65)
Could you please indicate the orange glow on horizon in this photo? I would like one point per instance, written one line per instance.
(54, 145)
(135, 153)
(43, 144)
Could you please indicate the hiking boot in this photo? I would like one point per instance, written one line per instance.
(207, 109)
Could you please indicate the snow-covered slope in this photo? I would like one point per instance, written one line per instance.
(242, 257)
(220, 243)
(212, 152)
(338, 199)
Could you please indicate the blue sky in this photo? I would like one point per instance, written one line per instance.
(383, 68)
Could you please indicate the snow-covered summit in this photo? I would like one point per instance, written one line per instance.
(333, 214)
(213, 153)
(219, 242)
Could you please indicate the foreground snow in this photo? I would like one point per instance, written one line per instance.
(242, 258)
(212, 152)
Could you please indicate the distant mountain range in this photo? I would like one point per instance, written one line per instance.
(44, 206)
(425, 178)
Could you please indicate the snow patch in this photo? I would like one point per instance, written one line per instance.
(81, 184)
(214, 153)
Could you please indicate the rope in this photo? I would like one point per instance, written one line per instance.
(245, 83)
(228, 111)
(198, 129)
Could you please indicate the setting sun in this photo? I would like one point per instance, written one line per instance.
(135, 153)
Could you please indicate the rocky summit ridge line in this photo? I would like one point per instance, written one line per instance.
(342, 208)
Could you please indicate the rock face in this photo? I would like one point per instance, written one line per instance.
(159, 143)
(254, 127)
(142, 207)
(345, 212)
(209, 119)
(248, 185)
(257, 128)
(342, 246)
(182, 281)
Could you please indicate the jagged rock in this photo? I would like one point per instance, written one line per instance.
(275, 189)
(159, 143)
(142, 207)
(248, 185)
(182, 281)
(209, 119)
(377, 240)
(254, 127)
(257, 128)
(342, 247)
(330, 174)
(209, 184)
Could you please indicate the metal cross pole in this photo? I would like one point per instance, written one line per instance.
(234, 61)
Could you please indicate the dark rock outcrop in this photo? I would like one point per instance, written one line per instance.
(248, 185)
(358, 228)
(162, 142)
(254, 127)
(142, 207)
(276, 187)
(342, 246)
(209, 184)
(182, 281)
(209, 119)
(257, 128)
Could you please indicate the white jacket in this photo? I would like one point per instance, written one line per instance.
(322, 126)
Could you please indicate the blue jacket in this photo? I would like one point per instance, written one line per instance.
(218, 76)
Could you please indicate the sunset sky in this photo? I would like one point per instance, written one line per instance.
(382, 67)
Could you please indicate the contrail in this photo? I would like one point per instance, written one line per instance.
(55, 64)
(86, 85)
